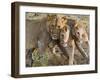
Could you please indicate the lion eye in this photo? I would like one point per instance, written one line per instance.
(58, 26)
(65, 28)
(77, 28)
(64, 18)
(78, 33)
(52, 25)
(83, 35)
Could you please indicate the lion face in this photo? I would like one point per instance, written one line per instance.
(52, 26)
(64, 36)
(61, 21)
(80, 32)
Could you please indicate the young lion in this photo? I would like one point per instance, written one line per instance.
(80, 36)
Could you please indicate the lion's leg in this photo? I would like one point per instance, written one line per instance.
(71, 55)
(80, 48)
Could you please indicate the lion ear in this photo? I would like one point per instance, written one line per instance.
(85, 37)
(76, 26)
(64, 17)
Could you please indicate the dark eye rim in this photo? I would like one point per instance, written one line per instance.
(83, 35)
(78, 33)
(62, 35)
(52, 25)
(58, 26)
